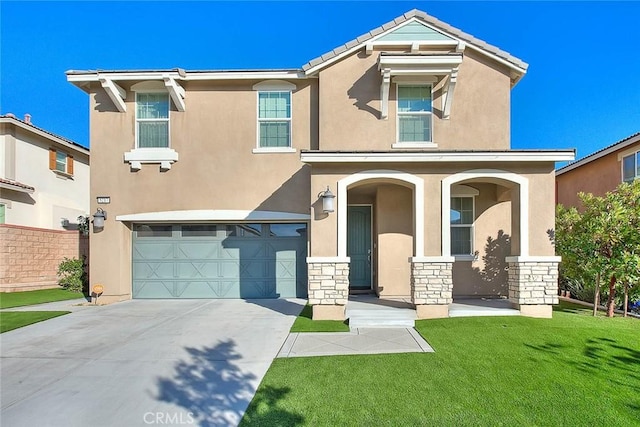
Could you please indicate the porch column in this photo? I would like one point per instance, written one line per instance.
(533, 284)
(328, 286)
(432, 286)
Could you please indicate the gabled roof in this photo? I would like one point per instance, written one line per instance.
(398, 30)
(11, 119)
(623, 143)
(413, 15)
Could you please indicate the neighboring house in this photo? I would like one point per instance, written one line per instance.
(216, 179)
(600, 172)
(44, 187)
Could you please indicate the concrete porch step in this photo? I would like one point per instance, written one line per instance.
(377, 316)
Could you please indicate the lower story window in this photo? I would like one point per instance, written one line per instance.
(462, 215)
(631, 167)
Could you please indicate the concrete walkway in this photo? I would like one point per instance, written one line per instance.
(141, 362)
(358, 341)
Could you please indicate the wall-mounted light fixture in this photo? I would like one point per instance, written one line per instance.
(327, 200)
(98, 218)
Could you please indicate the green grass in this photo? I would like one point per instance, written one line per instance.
(10, 320)
(304, 323)
(572, 370)
(19, 299)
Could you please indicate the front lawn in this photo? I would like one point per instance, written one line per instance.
(10, 320)
(304, 323)
(19, 299)
(572, 370)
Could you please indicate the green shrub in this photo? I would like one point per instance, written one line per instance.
(72, 274)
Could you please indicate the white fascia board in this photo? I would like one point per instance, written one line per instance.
(213, 215)
(194, 76)
(50, 137)
(435, 157)
(597, 155)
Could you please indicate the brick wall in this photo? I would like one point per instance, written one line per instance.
(29, 257)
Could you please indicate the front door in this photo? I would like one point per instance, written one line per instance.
(359, 246)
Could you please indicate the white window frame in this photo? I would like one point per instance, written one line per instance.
(635, 155)
(274, 86)
(472, 226)
(65, 163)
(414, 144)
(168, 119)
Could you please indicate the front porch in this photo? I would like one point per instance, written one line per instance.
(370, 311)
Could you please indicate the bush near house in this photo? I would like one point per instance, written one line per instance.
(600, 247)
(72, 274)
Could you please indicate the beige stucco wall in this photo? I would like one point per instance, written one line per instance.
(216, 169)
(349, 113)
(25, 158)
(597, 177)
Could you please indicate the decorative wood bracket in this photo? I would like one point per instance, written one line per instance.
(176, 92)
(115, 92)
(384, 93)
(448, 94)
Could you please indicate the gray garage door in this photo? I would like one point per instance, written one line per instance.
(220, 261)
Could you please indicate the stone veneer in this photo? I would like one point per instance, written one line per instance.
(328, 282)
(533, 280)
(431, 281)
(29, 257)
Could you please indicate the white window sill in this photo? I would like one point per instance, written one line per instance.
(465, 257)
(164, 156)
(264, 150)
(62, 174)
(414, 145)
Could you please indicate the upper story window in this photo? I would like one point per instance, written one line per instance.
(60, 162)
(274, 119)
(631, 167)
(414, 113)
(462, 215)
(152, 120)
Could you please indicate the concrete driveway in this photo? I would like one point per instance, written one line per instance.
(142, 362)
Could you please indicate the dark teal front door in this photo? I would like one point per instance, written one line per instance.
(359, 246)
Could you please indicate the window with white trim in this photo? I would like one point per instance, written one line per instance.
(631, 167)
(274, 119)
(2, 213)
(60, 162)
(152, 120)
(462, 216)
(414, 113)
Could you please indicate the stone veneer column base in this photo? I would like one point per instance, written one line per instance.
(533, 284)
(432, 286)
(328, 287)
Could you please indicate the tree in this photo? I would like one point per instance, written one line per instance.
(603, 240)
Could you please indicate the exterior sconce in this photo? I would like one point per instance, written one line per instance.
(98, 218)
(327, 200)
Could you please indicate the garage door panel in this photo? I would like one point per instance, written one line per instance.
(153, 270)
(153, 250)
(208, 262)
(153, 289)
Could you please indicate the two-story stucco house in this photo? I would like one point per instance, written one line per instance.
(44, 187)
(218, 179)
(599, 172)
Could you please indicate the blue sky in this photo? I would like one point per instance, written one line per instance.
(581, 91)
